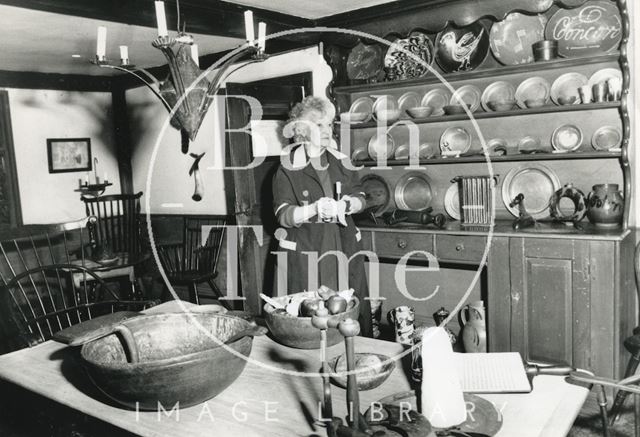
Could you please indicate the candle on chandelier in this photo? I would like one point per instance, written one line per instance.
(194, 54)
(124, 55)
(101, 48)
(161, 19)
(248, 26)
(262, 35)
(105, 177)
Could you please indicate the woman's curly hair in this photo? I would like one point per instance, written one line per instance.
(312, 103)
(300, 110)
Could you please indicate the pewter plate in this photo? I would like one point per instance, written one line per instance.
(533, 88)
(413, 192)
(437, 98)
(536, 182)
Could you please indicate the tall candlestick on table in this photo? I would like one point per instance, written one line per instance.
(248, 26)
(262, 35)
(161, 19)
(441, 395)
(101, 46)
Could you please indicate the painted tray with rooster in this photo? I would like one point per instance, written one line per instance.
(408, 58)
(462, 49)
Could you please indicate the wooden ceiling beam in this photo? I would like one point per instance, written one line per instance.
(211, 17)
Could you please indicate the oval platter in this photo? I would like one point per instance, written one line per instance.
(408, 58)
(364, 62)
(511, 38)
(462, 49)
(592, 29)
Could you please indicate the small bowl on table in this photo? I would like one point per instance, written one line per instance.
(420, 111)
(454, 109)
(371, 370)
(297, 331)
(501, 105)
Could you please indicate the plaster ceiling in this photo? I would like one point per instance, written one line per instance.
(44, 42)
(311, 9)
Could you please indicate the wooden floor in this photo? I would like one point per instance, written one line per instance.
(589, 422)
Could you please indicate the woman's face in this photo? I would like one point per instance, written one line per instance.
(317, 128)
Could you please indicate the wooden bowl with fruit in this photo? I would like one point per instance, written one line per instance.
(371, 370)
(290, 323)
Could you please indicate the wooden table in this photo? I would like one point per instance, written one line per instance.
(264, 402)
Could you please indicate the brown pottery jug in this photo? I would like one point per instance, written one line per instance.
(474, 331)
(605, 205)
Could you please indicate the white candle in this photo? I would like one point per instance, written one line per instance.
(161, 19)
(105, 177)
(248, 26)
(101, 47)
(124, 54)
(194, 54)
(442, 400)
(262, 34)
(86, 179)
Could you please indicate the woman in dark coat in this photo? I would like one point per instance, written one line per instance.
(314, 197)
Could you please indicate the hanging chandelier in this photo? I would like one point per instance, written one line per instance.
(180, 87)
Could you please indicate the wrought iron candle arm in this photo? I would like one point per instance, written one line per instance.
(165, 45)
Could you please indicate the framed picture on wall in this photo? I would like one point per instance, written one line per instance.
(69, 154)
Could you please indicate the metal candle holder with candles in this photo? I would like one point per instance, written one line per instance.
(186, 93)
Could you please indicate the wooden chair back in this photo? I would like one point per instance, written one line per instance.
(38, 295)
(202, 254)
(118, 221)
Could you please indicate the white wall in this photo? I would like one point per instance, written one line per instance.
(171, 187)
(40, 114)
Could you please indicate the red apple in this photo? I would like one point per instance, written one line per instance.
(336, 304)
(308, 307)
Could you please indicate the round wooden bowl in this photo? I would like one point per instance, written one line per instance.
(179, 360)
(367, 380)
(298, 332)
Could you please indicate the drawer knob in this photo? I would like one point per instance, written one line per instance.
(402, 243)
(460, 247)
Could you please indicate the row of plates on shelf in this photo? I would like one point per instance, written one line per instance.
(456, 140)
(414, 191)
(465, 48)
(498, 96)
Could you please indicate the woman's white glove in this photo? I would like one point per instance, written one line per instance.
(354, 204)
(327, 209)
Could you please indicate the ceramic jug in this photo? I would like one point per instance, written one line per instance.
(605, 205)
(474, 331)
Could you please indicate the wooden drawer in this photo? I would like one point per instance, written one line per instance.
(460, 248)
(396, 245)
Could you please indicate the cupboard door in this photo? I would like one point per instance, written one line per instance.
(550, 300)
